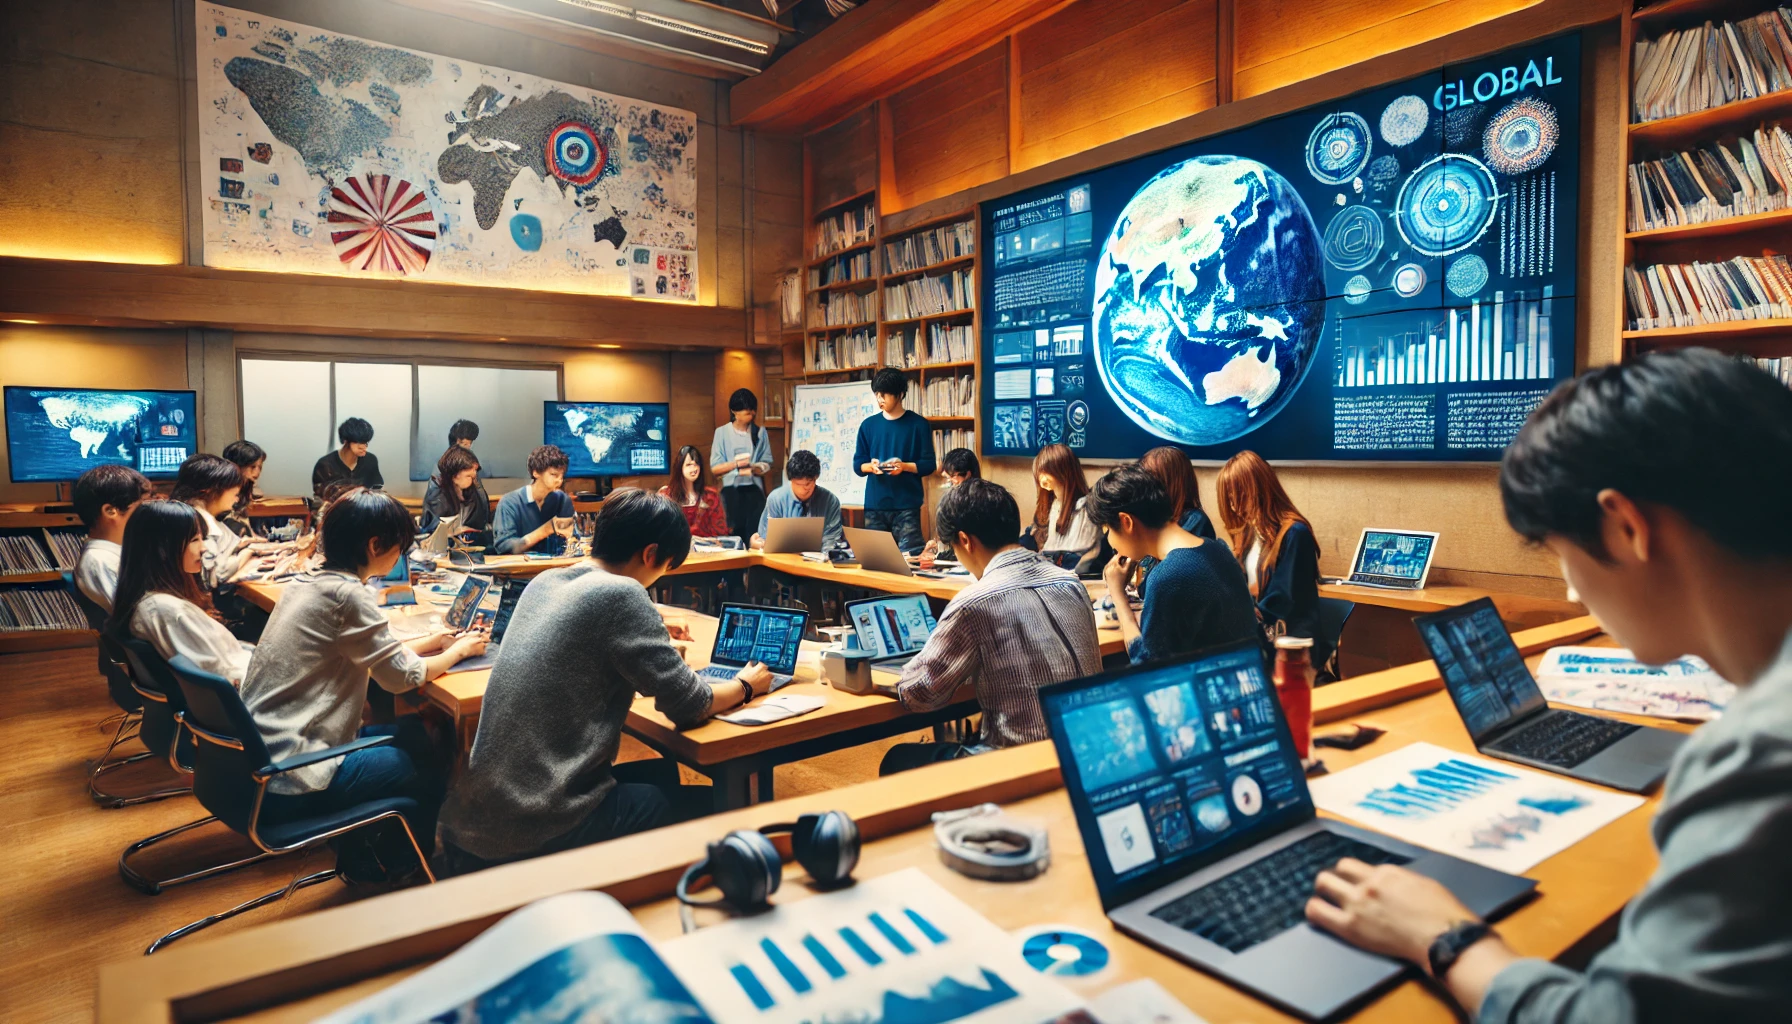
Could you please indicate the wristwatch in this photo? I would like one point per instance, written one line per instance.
(741, 679)
(1451, 944)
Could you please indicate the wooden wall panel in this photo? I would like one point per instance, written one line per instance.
(1284, 41)
(949, 131)
(1099, 70)
(842, 159)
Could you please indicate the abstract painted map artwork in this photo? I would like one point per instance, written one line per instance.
(336, 155)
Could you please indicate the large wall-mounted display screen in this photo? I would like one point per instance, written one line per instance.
(1390, 276)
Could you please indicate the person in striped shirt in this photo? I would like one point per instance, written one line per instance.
(1024, 624)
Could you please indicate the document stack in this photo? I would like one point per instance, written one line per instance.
(948, 343)
(1712, 182)
(838, 309)
(844, 229)
(851, 267)
(904, 348)
(21, 553)
(66, 546)
(1695, 294)
(1779, 366)
(946, 440)
(32, 608)
(1694, 69)
(790, 300)
(950, 396)
(844, 351)
(927, 296)
(926, 248)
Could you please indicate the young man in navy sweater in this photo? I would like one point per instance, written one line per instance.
(894, 454)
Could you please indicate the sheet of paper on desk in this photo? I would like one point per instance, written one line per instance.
(1611, 679)
(775, 709)
(895, 948)
(1491, 812)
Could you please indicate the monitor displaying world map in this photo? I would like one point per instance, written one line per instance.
(53, 435)
(609, 438)
(1389, 276)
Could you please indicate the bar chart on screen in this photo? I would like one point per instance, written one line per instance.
(1504, 338)
(893, 949)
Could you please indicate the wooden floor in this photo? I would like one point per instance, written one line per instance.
(63, 908)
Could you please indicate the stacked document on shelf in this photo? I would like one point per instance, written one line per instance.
(850, 267)
(21, 553)
(1713, 182)
(928, 295)
(1688, 70)
(1611, 679)
(946, 440)
(895, 948)
(904, 348)
(926, 248)
(50, 606)
(1779, 366)
(790, 300)
(950, 396)
(837, 309)
(1697, 294)
(949, 343)
(846, 228)
(66, 546)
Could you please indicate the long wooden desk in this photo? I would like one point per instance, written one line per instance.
(303, 967)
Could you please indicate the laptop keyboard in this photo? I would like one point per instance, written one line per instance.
(1564, 739)
(1268, 896)
(724, 674)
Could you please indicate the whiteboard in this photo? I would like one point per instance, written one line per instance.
(825, 420)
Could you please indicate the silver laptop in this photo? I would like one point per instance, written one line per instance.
(793, 536)
(892, 629)
(876, 550)
(1395, 559)
(1202, 836)
(1505, 712)
(748, 633)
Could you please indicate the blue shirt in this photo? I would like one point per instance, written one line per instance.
(518, 517)
(1194, 599)
(782, 504)
(908, 437)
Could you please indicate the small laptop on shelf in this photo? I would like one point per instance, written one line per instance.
(1394, 559)
(1202, 835)
(1506, 715)
(793, 536)
(749, 632)
(876, 551)
(892, 630)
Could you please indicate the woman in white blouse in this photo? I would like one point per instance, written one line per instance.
(159, 598)
(211, 484)
(1060, 522)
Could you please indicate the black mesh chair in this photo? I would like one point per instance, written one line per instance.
(163, 734)
(231, 772)
(1334, 612)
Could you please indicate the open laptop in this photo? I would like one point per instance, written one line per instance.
(876, 550)
(750, 632)
(510, 589)
(442, 537)
(466, 602)
(1202, 836)
(793, 536)
(1506, 715)
(892, 629)
(1395, 559)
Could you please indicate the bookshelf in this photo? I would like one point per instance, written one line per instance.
(33, 539)
(1660, 228)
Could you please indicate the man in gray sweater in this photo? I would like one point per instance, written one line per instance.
(582, 641)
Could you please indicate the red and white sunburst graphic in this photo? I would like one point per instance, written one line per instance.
(382, 223)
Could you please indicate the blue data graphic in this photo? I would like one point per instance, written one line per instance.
(1109, 743)
(1435, 790)
(605, 977)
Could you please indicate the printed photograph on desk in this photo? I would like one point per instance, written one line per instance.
(1387, 276)
(1493, 813)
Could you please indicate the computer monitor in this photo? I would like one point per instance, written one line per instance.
(56, 434)
(610, 438)
(1481, 666)
(1167, 761)
(1393, 558)
(747, 633)
(890, 627)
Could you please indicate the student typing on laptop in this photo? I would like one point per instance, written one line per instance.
(1024, 624)
(1662, 484)
(802, 497)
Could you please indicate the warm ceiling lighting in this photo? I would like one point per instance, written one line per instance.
(11, 321)
(609, 346)
(753, 46)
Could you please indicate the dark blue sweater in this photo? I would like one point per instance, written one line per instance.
(1194, 599)
(1291, 594)
(908, 437)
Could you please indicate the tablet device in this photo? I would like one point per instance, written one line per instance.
(472, 592)
(1394, 559)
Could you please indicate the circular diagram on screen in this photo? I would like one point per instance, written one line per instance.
(1446, 205)
(1247, 796)
(1338, 147)
(1353, 238)
(1521, 137)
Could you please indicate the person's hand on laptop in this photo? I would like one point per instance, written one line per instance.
(1396, 912)
(757, 677)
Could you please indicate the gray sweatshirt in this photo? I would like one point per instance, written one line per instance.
(579, 645)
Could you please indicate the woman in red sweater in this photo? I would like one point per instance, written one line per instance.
(690, 490)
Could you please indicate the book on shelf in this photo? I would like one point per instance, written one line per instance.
(946, 440)
(925, 248)
(847, 228)
(950, 396)
(39, 607)
(949, 343)
(790, 300)
(855, 266)
(837, 309)
(66, 546)
(930, 294)
(1780, 367)
(843, 351)
(1698, 294)
(1713, 182)
(904, 346)
(1688, 70)
(22, 553)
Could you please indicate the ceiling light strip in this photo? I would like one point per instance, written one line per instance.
(624, 37)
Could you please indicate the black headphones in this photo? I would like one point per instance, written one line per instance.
(746, 867)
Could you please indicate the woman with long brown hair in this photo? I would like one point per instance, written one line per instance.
(159, 598)
(1060, 518)
(1277, 547)
(1172, 468)
(455, 490)
(691, 492)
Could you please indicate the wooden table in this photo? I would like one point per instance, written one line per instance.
(304, 967)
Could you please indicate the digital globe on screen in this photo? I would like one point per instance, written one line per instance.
(1209, 300)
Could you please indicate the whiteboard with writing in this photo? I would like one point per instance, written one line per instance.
(825, 420)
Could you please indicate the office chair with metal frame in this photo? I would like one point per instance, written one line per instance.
(231, 771)
(129, 719)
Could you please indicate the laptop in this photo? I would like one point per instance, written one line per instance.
(401, 572)
(1202, 836)
(1394, 559)
(876, 550)
(511, 589)
(892, 629)
(472, 591)
(443, 535)
(1505, 713)
(750, 632)
(793, 536)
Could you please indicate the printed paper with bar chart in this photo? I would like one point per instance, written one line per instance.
(892, 949)
(1490, 812)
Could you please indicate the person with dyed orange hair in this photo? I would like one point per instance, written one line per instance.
(1277, 547)
(1060, 516)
